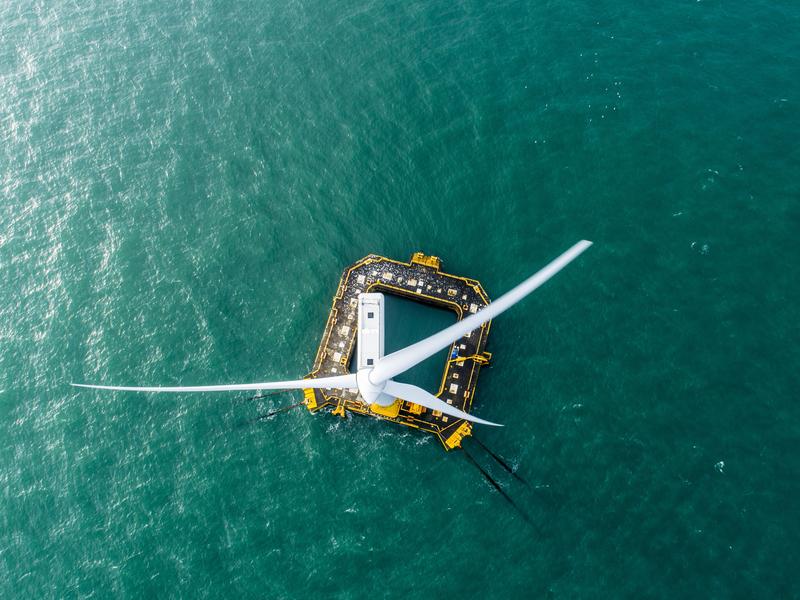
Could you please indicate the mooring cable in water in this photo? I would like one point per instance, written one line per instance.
(496, 486)
(277, 411)
(272, 413)
(500, 461)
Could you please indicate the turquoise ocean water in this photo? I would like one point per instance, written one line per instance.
(181, 185)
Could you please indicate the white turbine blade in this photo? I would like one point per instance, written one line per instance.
(340, 381)
(393, 364)
(417, 395)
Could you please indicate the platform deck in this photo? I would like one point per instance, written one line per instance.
(421, 280)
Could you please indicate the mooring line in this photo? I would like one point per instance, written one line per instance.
(500, 461)
(500, 489)
(272, 413)
(282, 409)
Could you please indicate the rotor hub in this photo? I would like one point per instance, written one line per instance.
(370, 392)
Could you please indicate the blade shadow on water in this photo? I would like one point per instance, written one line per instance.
(502, 492)
(543, 492)
(500, 461)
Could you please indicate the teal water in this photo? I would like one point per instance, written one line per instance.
(182, 185)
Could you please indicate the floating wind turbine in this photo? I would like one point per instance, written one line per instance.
(373, 378)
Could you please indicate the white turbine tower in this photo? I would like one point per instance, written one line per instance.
(373, 378)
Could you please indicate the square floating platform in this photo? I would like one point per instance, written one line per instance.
(420, 280)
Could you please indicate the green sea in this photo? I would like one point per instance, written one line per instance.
(183, 183)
